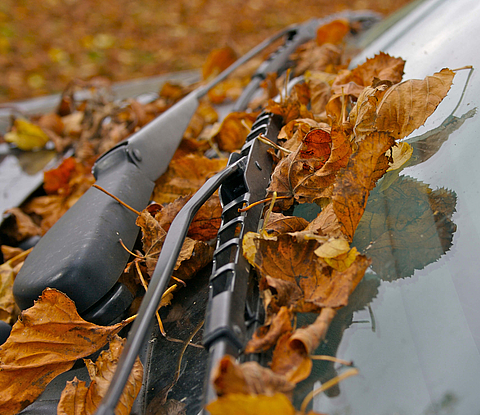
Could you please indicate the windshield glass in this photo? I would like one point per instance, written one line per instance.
(412, 326)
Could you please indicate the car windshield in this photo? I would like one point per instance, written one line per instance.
(412, 326)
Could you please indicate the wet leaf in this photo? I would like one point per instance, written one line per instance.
(77, 399)
(44, 342)
(26, 135)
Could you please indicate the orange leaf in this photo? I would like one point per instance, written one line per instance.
(265, 337)
(234, 130)
(250, 378)
(44, 342)
(358, 178)
(77, 399)
(185, 176)
(217, 61)
(333, 32)
(294, 364)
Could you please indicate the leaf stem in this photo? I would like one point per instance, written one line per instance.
(331, 359)
(269, 142)
(325, 386)
(116, 198)
(268, 199)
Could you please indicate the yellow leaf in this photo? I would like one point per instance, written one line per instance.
(26, 136)
(342, 262)
(401, 153)
(333, 248)
(241, 404)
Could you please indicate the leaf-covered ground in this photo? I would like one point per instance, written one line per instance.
(46, 44)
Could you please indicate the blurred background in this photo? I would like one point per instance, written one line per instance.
(45, 44)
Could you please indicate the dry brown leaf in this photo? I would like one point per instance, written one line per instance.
(278, 223)
(44, 342)
(307, 174)
(194, 254)
(294, 364)
(266, 336)
(8, 271)
(307, 339)
(77, 399)
(185, 176)
(399, 109)
(217, 61)
(382, 66)
(205, 223)
(332, 289)
(249, 378)
(21, 227)
(234, 130)
(63, 196)
(353, 183)
(406, 106)
(333, 32)
(278, 293)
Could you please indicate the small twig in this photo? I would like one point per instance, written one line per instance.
(268, 199)
(267, 214)
(325, 386)
(187, 343)
(269, 142)
(179, 280)
(130, 252)
(130, 319)
(463, 68)
(331, 359)
(116, 198)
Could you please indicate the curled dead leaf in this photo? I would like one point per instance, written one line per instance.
(44, 342)
(248, 378)
(77, 399)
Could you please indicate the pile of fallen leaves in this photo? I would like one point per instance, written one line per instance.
(45, 45)
(341, 134)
